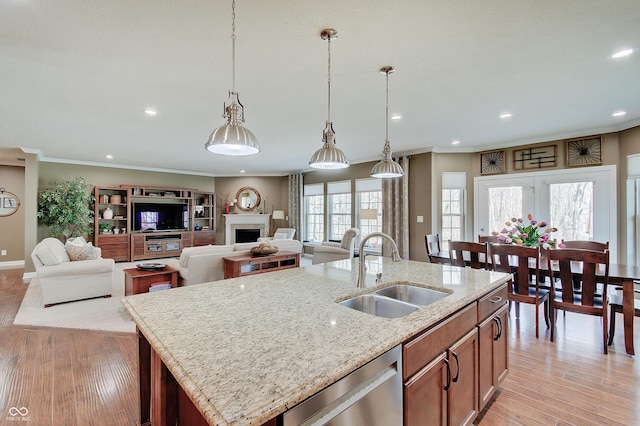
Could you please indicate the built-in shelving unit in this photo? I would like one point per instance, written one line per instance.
(123, 237)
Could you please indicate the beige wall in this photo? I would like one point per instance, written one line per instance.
(12, 179)
(420, 203)
(273, 193)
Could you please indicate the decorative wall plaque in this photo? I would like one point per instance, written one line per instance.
(492, 162)
(584, 151)
(535, 157)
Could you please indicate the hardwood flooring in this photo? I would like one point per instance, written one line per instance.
(76, 377)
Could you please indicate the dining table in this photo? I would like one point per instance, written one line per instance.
(619, 275)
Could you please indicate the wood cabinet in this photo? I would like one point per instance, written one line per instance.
(239, 266)
(444, 388)
(453, 369)
(494, 353)
(116, 232)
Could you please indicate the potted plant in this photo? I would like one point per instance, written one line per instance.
(64, 208)
(104, 228)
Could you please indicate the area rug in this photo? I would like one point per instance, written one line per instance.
(92, 314)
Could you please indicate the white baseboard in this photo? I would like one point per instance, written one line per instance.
(14, 264)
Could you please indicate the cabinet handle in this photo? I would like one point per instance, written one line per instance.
(448, 382)
(455, 355)
(498, 322)
(496, 299)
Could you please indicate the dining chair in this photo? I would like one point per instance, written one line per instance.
(615, 306)
(585, 245)
(593, 267)
(488, 239)
(476, 254)
(523, 263)
(432, 242)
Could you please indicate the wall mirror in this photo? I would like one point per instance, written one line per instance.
(247, 198)
(9, 203)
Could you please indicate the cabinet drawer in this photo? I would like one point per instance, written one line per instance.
(492, 302)
(424, 348)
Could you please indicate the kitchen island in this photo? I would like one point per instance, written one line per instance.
(246, 350)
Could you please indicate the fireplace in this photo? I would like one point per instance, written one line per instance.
(247, 235)
(235, 222)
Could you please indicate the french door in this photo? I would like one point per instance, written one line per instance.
(581, 203)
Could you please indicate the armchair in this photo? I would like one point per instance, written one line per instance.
(280, 234)
(329, 251)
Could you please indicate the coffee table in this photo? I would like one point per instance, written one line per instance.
(138, 281)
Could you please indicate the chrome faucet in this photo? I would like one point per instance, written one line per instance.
(362, 269)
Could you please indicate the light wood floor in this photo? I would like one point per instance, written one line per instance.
(74, 377)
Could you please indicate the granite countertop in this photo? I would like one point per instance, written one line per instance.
(248, 349)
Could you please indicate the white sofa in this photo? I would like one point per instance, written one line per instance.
(203, 264)
(63, 280)
(280, 234)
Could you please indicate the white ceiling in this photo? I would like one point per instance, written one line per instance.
(76, 76)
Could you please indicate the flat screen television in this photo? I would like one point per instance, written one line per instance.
(160, 217)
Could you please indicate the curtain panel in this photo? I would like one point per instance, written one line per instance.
(395, 210)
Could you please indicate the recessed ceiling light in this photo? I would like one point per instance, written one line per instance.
(619, 113)
(396, 117)
(150, 112)
(622, 53)
(242, 171)
(506, 115)
(455, 142)
(109, 157)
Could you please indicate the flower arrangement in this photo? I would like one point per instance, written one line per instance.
(533, 235)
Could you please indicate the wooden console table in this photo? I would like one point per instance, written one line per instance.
(138, 281)
(239, 266)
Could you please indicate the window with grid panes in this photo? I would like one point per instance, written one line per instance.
(452, 217)
(339, 206)
(314, 212)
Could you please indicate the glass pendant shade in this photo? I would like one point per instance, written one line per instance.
(387, 168)
(233, 138)
(329, 156)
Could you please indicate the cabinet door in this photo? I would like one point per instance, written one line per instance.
(425, 397)
(493, 353)
(463, 392)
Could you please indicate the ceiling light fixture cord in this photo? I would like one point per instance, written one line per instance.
(329, 79)
(386, 136)
(233, 45)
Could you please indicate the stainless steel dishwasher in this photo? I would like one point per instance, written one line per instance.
(371, 395)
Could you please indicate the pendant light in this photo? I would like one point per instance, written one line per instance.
(233, 138)
(387, 168)
(329, 156)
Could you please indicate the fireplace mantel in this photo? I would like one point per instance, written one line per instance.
(244, 221)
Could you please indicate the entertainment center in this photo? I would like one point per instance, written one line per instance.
(136, 223)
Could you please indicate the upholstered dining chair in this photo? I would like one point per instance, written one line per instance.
(593, 267)
(524, 265)
(615, 306)
(476, 254)
(328, 251)
(432, 242)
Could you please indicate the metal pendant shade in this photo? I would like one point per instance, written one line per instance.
(329, 156)
(233, 138)
(387, 168)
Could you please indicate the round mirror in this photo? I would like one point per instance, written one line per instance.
(247, 198)
(9, 203)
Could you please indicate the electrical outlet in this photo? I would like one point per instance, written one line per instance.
(3, 253)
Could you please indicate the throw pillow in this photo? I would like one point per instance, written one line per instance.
(280, 236)
(78, 249)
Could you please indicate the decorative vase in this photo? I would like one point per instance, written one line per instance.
(226, 208)
(107, 213)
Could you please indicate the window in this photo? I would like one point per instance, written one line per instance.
(452, 219)
(369, 211)
(454, 185)
(580, 203)
(314, 212)
(339, 207)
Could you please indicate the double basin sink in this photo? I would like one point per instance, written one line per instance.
(394, 301)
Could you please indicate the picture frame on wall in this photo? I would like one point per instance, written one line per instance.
(537, 157)
(584, 151)
(492, 162)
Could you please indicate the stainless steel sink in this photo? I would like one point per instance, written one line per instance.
(379, 306)
(412, 294)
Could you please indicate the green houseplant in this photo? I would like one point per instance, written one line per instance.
(64, 208)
